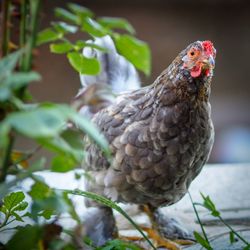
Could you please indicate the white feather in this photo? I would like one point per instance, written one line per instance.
(116, 71)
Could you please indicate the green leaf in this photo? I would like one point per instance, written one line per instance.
(215, 213)
(4, 135)
(94, 28)
(40, 122)
(5, 93)
(40, 191)
(5, 187)
(66, 15)
(13, 199)
(21, 206)
(46, 214)
(47, 35)
(71, 210)
(81, 44)
(88, 241)
(20, 79)
(84, 65)
(12, 203)
(202, 241)
(61, 48)
(25, 238)
(95, 46)
(64, 28)
(135, 51)
(8, 63)
(80, 11)
(17, 216)
(109, 203)
(116, 23)
(62, 164)
(55, 204)
(119, 245)
(38, 165)
(3, 209)
(15, 81)
(74, 138)
(232, 237)
(60, 146)
(207, 203)
(92, 131)
(68, 143)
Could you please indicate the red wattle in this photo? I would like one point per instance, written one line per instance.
(207, 72)
(196, 71)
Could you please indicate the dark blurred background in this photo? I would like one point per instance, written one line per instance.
(168, 27)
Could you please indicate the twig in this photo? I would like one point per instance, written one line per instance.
(6, 27)
(7, 229)
(27, 156)
(110, 204)
(7, 216)
(31, 42)
(198, 218)
(23, 27)
(6, 160)
(33, 33)
(233, 231)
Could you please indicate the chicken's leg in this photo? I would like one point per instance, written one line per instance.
(100, 225)
(165, 231)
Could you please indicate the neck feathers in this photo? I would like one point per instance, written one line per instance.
(184, 87)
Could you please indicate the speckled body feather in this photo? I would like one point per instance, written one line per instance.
(160, 137)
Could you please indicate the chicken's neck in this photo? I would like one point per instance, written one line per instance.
(181, 86)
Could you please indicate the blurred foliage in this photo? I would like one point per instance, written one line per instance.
(78, 18)
(32, 215)
(203, 239)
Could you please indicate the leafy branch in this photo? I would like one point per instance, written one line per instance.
(210, 206)
(6, 7)
(12, 204)
(47, 124)
(203, 240)
(110, 204)
(81, 18)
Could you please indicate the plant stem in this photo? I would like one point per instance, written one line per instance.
(23, 27)
(26, 63)
(34, 9)
(27, 156)
(7, 216)
(110, 204)
(6, 160)
(233, 231)
(198, 218)
(6, 27)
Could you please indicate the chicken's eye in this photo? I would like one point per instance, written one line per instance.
(193, 53)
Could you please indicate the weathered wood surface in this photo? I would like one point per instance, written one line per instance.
(229, 188)
(227, 185)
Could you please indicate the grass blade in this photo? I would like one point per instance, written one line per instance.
(111, 204)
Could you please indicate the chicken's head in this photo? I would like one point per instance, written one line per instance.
(199, 58)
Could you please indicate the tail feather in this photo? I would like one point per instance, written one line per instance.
(116, 71)
(117, 75)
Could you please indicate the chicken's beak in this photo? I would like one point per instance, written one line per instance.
(209, 62)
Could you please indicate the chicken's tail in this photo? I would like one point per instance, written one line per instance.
(116, 71)
(117, 75)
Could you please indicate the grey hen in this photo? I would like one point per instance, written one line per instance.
(160, 137)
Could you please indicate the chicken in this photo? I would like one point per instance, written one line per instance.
(160, 137)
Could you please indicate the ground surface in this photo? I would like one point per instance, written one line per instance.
(227, 185)
(229, 188)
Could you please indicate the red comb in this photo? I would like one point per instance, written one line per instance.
(208, 47)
